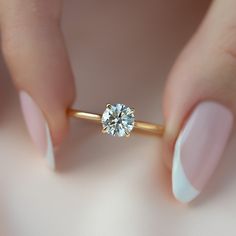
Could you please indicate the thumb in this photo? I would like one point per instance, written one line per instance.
(200, 102)
(35, 53)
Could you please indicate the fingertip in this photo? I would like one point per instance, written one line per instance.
(38, 128)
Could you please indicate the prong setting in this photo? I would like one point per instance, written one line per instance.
(118, 120)
(108, 106)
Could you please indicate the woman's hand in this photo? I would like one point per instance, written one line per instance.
(35, 53)
(200, 101)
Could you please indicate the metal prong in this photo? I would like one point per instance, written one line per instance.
(104, 130)
(132, 109)
(108, 106)
(127, 135)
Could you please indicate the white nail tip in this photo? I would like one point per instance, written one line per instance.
(181, 187)
(49, 156)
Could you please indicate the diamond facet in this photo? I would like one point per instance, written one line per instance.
(118, 120)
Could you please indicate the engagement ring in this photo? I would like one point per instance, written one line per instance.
(118, 120)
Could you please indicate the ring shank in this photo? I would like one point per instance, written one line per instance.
(84, 115)
(149, 127)
(138, 125)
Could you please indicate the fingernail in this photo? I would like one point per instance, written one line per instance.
(37, 127)
(199, 148)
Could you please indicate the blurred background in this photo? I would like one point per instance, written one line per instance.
(121, 51)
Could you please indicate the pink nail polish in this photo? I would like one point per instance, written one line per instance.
(199, 148)
(37, 127)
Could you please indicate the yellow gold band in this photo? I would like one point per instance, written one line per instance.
(138, 125)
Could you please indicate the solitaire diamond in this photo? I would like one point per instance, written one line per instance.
(118, 120)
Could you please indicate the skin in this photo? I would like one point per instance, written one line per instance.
(208, 63)
(30, 31)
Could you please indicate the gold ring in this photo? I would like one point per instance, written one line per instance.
(118, 120)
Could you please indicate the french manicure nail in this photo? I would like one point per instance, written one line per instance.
(37, 127)
(199, 148)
